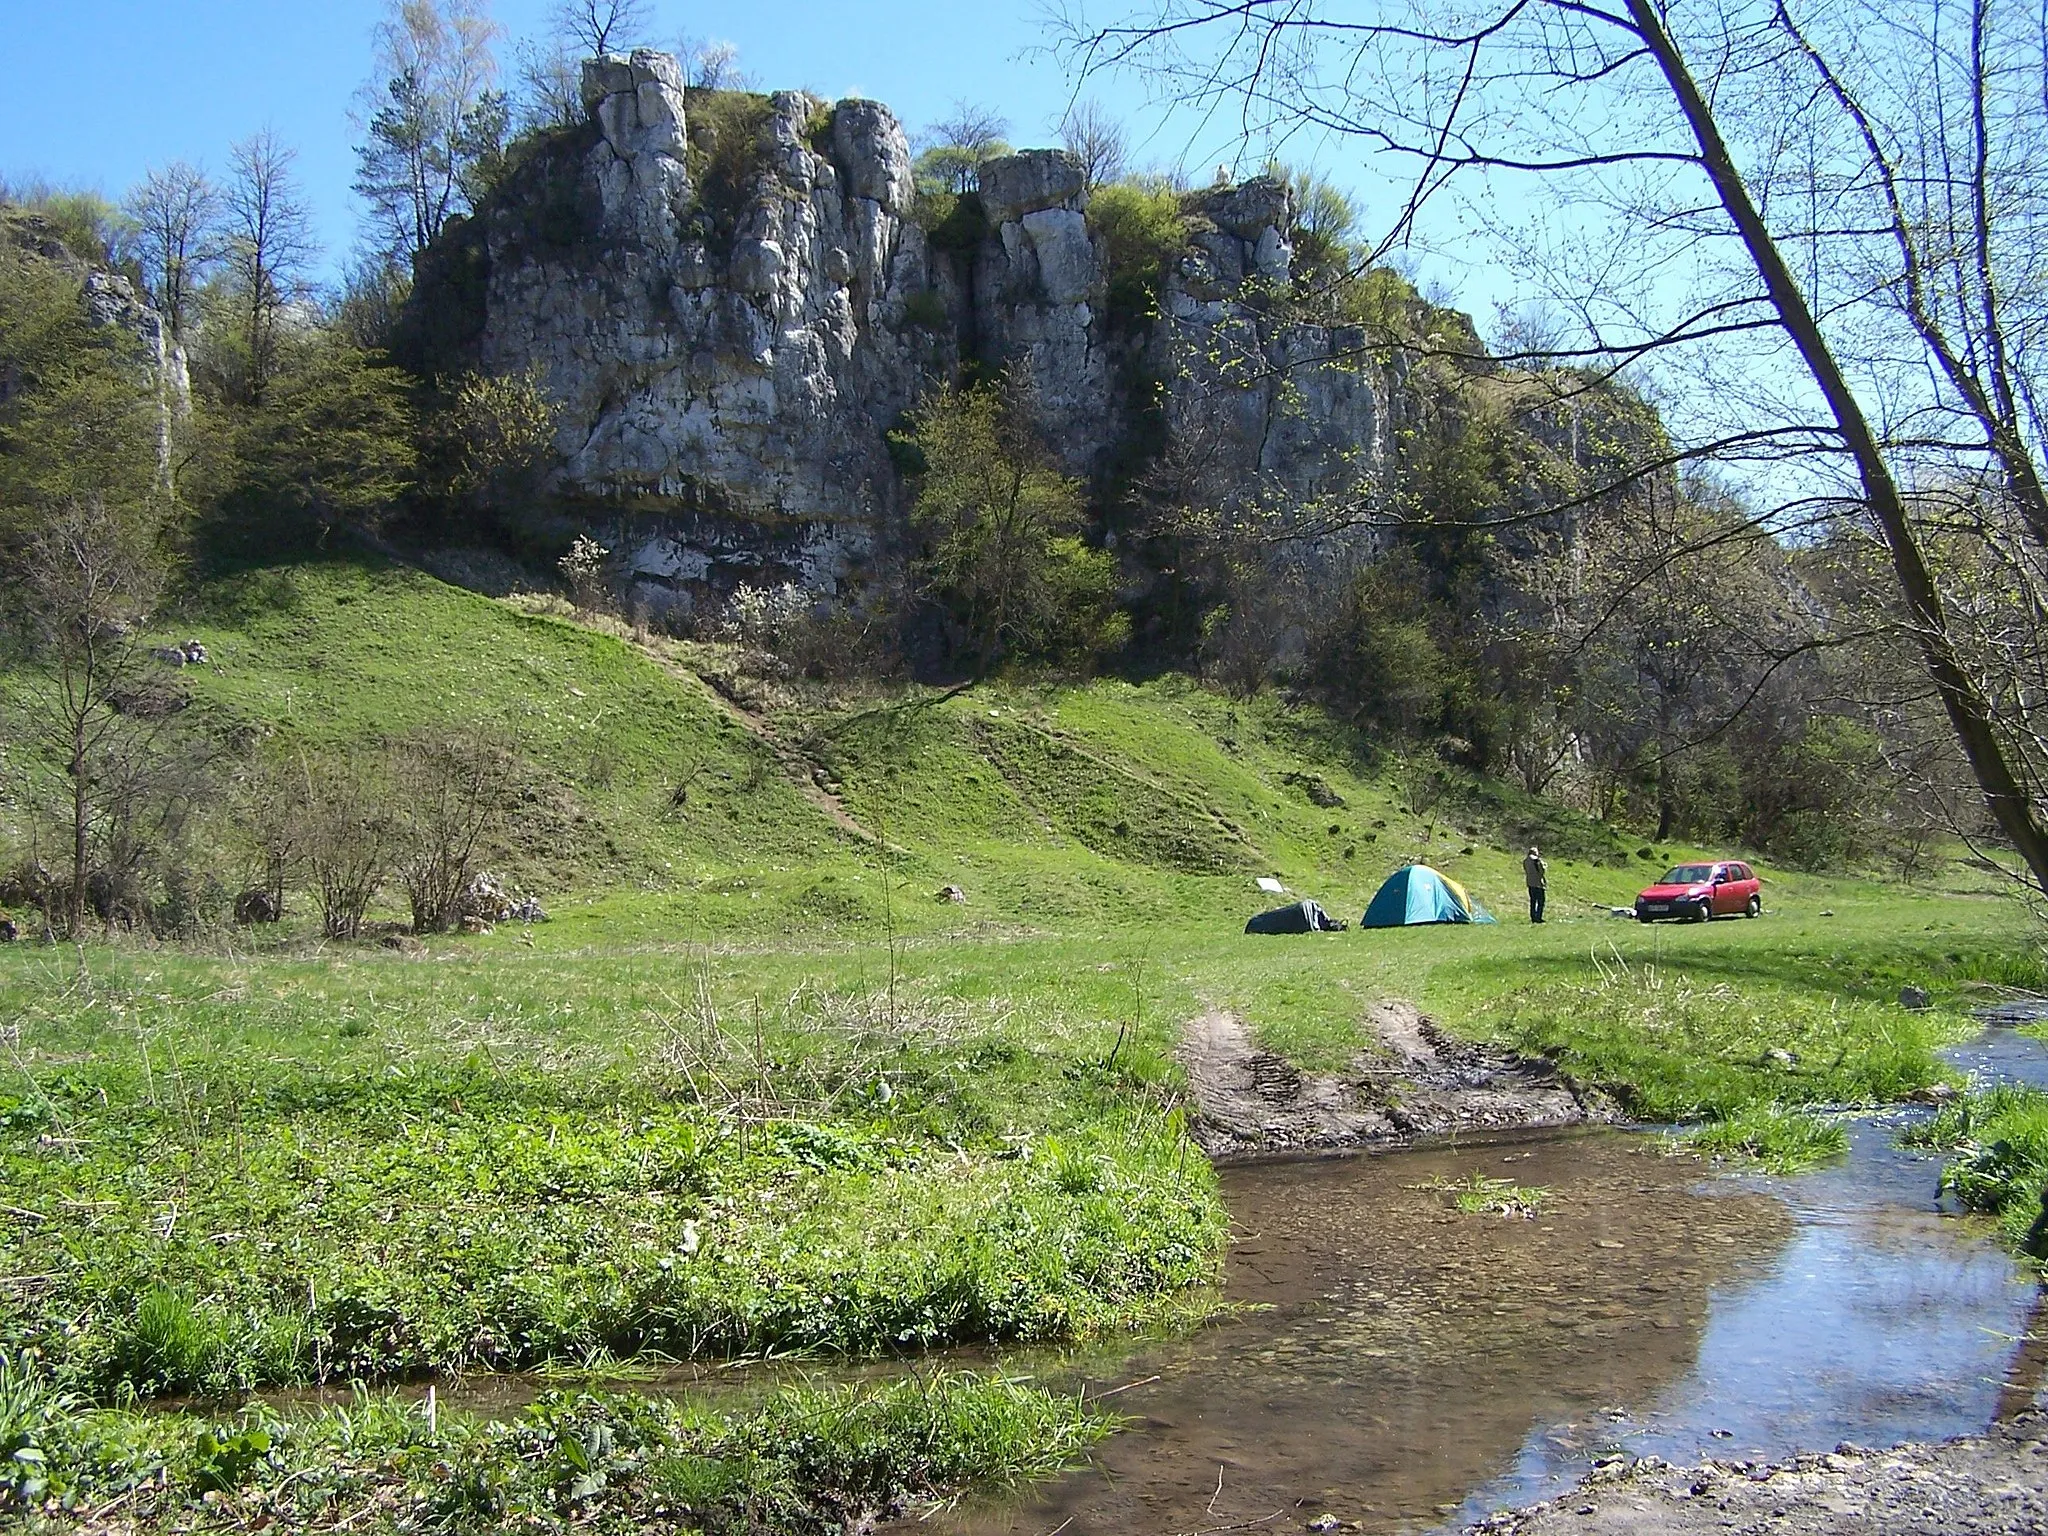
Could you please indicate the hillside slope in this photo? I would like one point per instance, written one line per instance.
(1048, 806)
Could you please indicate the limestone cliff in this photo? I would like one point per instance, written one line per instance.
(735, 302)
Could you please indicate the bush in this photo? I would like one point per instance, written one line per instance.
(1143, 229)
(1002, 556)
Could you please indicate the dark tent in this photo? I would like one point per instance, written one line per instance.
(1301, 917)
(1416, 893)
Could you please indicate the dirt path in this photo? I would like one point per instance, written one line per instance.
(1409, 1080)
(1997, 1482)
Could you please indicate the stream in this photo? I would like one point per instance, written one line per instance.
(1411, 1368)
(1402, 1366)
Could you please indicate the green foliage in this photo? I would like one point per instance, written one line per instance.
(1807, 799)
(1000, 526)
(331, 443)
(952, 170)
(803, 1459)
(78, 416)
(728, 153)
(1999, 1139)
(36, 1417)
(489, 438)
(88, 226)
(1376, 658)
(951, 221)
(1143, 229)
(1781, 1139)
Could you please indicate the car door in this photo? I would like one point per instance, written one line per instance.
(1726, 897)
(1746, 886)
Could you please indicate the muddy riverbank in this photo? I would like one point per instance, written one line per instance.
(1408, 1081)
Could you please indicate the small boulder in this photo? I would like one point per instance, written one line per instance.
(951, 893)
(8, 931)
(1915, 999)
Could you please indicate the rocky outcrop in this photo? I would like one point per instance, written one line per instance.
(111, 301)
(733, 300)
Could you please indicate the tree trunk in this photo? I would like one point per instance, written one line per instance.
(81, 821)
(1968, 710)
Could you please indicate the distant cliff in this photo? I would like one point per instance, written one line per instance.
(736, 298)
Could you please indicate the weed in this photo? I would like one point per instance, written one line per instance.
(807, 1459)
(1482, 1196)
(1999, 1139)
(1783, 1140)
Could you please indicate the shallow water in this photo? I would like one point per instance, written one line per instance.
(1406, 1367)
(1418, 1367)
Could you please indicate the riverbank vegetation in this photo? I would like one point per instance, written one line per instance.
(803, 1458)
(1999, 1140)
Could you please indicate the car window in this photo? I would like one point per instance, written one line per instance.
(1688, 874)
(1739, 872)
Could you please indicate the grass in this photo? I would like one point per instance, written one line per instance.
(1999, 1139)
(826, 1178)
(1782, 1140)
(1482, 1196)
(807, 1459)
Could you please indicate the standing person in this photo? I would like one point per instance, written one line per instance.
(1537, 876)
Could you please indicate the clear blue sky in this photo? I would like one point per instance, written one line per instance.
(151, 81)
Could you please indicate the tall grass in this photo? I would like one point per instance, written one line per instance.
(1999, 1139)
(1672, 1047)
(807, 1459)
(1782, 1140)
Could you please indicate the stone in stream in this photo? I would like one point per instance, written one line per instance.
(1915, 999)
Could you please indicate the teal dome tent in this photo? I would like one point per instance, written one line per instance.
(1415, 893)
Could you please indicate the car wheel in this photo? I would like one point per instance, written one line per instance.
(1755, 907)
(1706, 911)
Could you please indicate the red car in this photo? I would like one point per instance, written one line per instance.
(1697, 892)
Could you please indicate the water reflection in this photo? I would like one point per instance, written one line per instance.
(1419, 1367)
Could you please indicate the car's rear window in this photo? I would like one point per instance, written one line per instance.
(1687, 874)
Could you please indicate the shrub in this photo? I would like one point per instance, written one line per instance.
(1143, 229)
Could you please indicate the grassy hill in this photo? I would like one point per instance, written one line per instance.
(1048, 805)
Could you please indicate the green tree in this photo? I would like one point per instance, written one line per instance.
(78, 409)
(332, 441)
(437, 133)
(1002, 553)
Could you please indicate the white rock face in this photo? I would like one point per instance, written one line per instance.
(729, 327)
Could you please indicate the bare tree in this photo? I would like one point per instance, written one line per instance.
(84, 584)
(451, 792)
(349, 835)
(432, 117)
(977, 130)
(602, 26)
(712, 64)
(1098, 141)
(956, 145)
(1852, 190)
(269, 245)
(177, 239)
